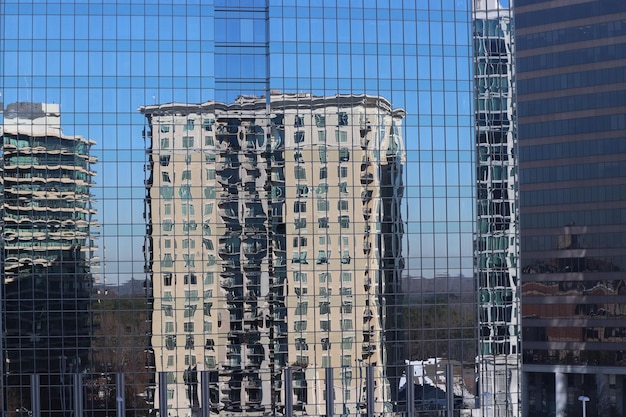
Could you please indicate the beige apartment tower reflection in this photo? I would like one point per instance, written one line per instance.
(274, 241)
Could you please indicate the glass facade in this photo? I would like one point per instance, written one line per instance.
(571, 124)
(249, 207)
(497, 241)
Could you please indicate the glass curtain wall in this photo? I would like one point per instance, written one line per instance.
(238, 207)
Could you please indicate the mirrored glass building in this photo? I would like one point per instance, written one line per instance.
(497, 241)
(570, 74)
(286, 199)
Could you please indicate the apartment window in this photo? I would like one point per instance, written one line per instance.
(300, 277)
(299, 241)
(167, 225)
(184, 192)
(299, 206)
(210, 174)
(346, 360)
(343, 187)
(209, 279)
(344, 221)
(208, 124)
(167, 261)
(164, 160)
(341, 136)
(322, 189)
(299, 257)
(186, 175)
(165, 128)
(208, 209)
(342, 172)
(170, 360)
(323, 173)
(167, 279)
(302, 308)
(166, 192)
(187, 141)
(299, 172)
(322, 204)
(188, 326)
(207, 243)
(298, 121)
(190, 310)
(207, 308)
(322, 240)
(326, 361)
(165, 177)
(188, 210)
(189, 342)
(190, 360)
(167, 310)
(167, 209)
(326, 292)
(170, 392)
(346, 307)
(206, 228)
(342, 118)
(325, 277)
(165, 143)
(189, 125)
(322, 154)
(209, 192)
(299, 325)
(346, 291)
(302, 191)
(207, 327)
(207, 294)
(190, 279)
(301, 344)
(298, 137)
(208, 140)
(209, 361)
(320, 120)
(324, 307)
(167, 243)
(170, 344)
(346, 276)
(322, 222)
(169, 327)
(167, 296)
(344, 155)
(189, 225)
(191, 295)
(346, 343)
(342, 205)
(325, 343)
(322, 257)
(346, 324)
(325, 325)
(321, 136)
(345, 257)
(209, 157)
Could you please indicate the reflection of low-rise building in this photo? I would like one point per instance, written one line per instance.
(273, 242)
(47, 250)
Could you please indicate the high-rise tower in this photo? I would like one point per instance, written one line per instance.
(47, 249)
(496, 245)
(273, 245)
(571, 66)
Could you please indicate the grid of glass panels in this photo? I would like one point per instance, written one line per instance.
(271, 210)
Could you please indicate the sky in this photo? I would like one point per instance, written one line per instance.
(101, 61)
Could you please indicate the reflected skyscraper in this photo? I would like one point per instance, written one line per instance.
(497, 245)
(572, 158)
(274, 245)
(47, 249)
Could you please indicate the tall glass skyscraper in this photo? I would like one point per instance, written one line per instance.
(497, 245)
(571, 61)
(286, 198)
